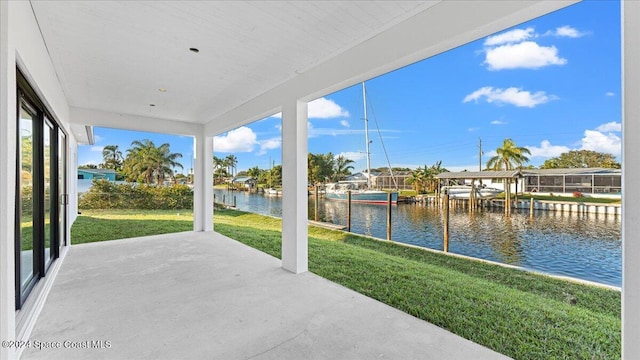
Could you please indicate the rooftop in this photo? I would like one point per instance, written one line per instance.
(575, 171)
(479, 174)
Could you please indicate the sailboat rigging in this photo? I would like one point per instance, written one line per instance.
(339, 191)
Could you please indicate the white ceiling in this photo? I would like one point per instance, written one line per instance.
(112, 57)
(115, 55)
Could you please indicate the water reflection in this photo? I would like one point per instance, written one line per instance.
(586, 246)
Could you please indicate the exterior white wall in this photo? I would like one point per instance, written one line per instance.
(203, 184)
(33, 59)
(7, 180)
(72, 185)
(630, 176)
(21, 45)
(294, 187)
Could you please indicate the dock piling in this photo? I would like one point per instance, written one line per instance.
(316, 203)
(349, 210)
(389, 216)
(445, 226)
(531, 208)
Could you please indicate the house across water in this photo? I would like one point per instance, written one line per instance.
(594, 181)
(90, 174)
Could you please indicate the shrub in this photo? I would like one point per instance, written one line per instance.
(109, 195)
(26, 200)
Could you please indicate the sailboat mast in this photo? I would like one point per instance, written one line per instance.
(366, 135)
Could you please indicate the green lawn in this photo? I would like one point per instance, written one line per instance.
(516, 313)
(101, 225)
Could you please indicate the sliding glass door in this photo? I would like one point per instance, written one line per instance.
(41, 198)
(25, 205)
(47, 190)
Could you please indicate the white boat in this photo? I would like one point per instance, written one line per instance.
(272, 192)
(340, 191)
(464, 192)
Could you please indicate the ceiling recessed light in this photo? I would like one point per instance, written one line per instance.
(152, 104)
(195, 50)
(162, 90)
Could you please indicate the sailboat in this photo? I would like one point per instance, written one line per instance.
(339, 191)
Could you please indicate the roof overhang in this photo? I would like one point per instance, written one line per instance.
(128, 64)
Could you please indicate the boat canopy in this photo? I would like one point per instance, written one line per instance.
(508, 174)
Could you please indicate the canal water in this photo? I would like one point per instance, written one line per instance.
(583, 246)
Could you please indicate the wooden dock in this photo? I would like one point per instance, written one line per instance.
(327, 225)
(569, 207)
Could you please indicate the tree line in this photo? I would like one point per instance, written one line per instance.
(147, 163)
(321, 169)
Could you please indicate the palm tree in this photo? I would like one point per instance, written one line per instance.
(342, 167)
(112, 157)
(137, 165)
(254, 172)
(434, 170)
(320, 167)
(219, 167)
(165, 162)
(417, 179)
(148, 163)
(508, 157)
(231, 162)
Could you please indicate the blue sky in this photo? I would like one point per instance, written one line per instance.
(551, 84)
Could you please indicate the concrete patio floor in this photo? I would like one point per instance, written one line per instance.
(204, 296)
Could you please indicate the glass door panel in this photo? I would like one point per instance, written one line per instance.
(26, 206)
(47, 152)
(62, 189)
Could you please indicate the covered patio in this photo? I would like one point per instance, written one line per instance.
(200, 69)
(200, 295)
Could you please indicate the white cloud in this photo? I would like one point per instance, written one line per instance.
(491, 153)
(322, 108)
(96, 149)
(352, 155)
(242, 139)
(547, 150)
(597, 141)
(499, 122)
(97, 138)
(609, 93)
(610, 126)
(512, 95)
(527, 54)
(601, 140)
(472, 129)
(566, 31)
(512, 36)
(269, 144)
(345, 123)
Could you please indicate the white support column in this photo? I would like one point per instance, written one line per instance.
(630, 176)
(294, 187)
(8, 138)
(203, 184)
